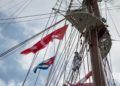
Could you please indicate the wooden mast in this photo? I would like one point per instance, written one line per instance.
(96, 59)
(88, 19)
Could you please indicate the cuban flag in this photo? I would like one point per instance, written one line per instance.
(45, 64)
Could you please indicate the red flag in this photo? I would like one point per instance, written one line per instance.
(50, 61)
(39, 45)
(86, 77)
(57, 34)
(82, 84)
(89, 74)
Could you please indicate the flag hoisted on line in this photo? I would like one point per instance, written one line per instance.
(45, 64)
(57, 34)
(82, 81)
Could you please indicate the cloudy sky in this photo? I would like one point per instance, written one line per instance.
(15, 66)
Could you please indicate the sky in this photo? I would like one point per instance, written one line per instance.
(15, 66)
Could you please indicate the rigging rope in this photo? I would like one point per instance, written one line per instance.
(18, 45)
(110, 70)
(11, 6)
(53, 64)
(25, 20)
(33, 60)
(58, 62)
(47, 47)
(24, 6)
(81, 51)
(63, 68)
(29, 16)
(113, 23)
(70, 42)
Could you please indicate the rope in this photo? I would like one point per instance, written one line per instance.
(34, 58)
(68, 56)
(105, 70)
(60, 4)
(12, 6)
(29, 16)
(54, 62)
(36, 19)
(47, 47)
(81, 51)
(18, 45)
(58, 62)
(37, 78)
(65, 59)
(110, 71)
(113, 23)
(24, 5)
(51, 24)
(69, 52)
(70, 5)
(106, 10)
(52, 69)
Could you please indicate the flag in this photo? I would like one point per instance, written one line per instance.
(86, 77)
(38, 46)
(81, 82)
(45, 64)
(57, 34)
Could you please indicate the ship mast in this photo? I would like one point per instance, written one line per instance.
(96, 59)
(88, 22)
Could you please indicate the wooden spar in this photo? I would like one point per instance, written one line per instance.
(94, 4)
(88, 19)
(96, 59)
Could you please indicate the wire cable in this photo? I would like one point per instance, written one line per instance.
(61, 67)
(29, 16)
(29, 39)
(47, 47)
(34, 58)
(56, 65)
(21, 10)
(114, 23)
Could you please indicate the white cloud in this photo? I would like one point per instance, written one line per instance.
(11, 83)
(2, 83)
(25, 61)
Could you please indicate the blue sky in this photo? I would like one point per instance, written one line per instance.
(14, 68)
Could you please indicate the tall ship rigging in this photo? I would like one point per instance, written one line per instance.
(79, 42)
